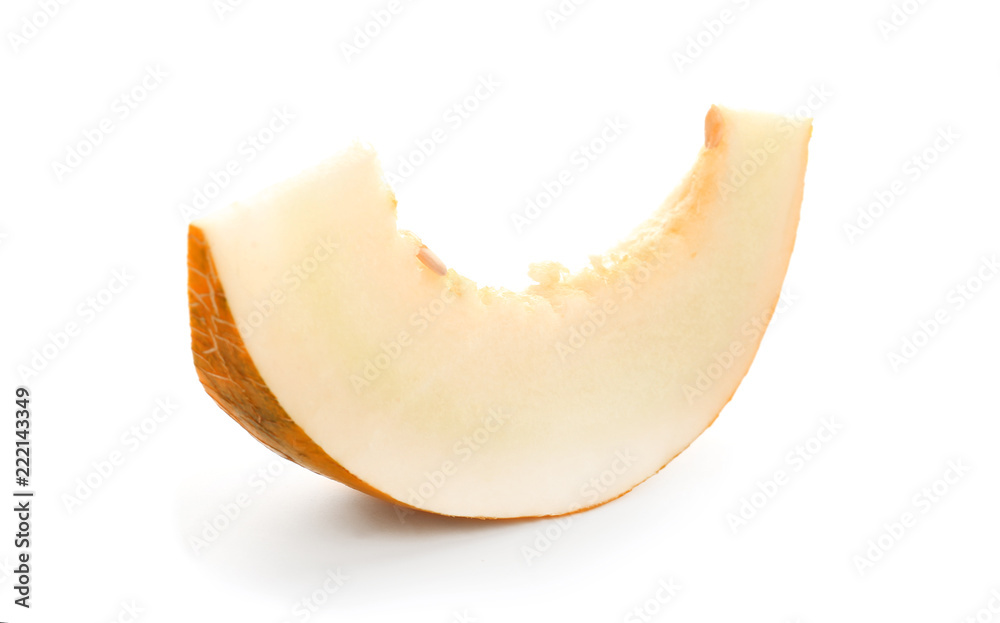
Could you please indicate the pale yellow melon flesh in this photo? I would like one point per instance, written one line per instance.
(335, 340)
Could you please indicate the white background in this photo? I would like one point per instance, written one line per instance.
(886, 96)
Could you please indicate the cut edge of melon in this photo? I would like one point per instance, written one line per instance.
(231, 378)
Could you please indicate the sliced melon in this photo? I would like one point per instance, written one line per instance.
(344, 345)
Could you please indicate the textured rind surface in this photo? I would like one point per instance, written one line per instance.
(230, 377)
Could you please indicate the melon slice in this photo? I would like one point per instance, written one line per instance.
(345, 346)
